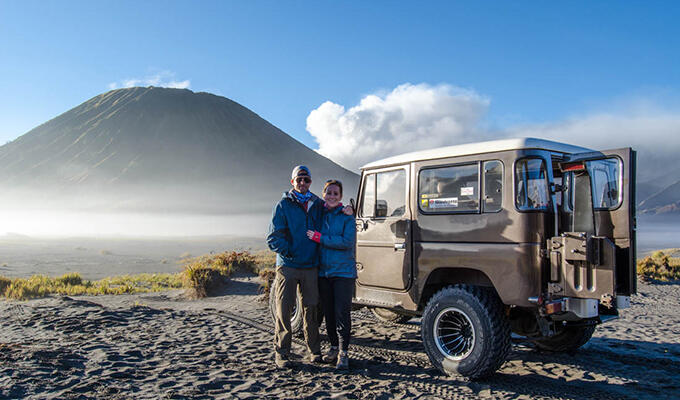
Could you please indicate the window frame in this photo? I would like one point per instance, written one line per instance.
(405, 170)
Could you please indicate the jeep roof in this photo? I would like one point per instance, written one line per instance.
(478, 148)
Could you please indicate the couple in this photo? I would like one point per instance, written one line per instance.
(314, 245)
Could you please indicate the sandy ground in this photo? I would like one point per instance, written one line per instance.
(153, 346)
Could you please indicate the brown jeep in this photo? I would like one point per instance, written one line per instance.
(527, 236)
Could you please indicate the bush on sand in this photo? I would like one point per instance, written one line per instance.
(206, 275)
(660, 266)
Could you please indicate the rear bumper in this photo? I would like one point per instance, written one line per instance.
(573, 308)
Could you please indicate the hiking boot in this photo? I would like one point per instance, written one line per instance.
(343, 361)
(281, 360)
(314, 358)
(332, 356)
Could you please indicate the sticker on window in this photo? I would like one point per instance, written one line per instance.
(467, 191)
(444, 203)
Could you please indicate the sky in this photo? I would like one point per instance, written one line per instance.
(360, 80)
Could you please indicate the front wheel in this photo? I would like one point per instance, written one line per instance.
(465, 332)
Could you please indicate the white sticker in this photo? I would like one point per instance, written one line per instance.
(467, 191)
(444, 203)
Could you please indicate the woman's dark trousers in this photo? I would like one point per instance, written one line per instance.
(336, 300)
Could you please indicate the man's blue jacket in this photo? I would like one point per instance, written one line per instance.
(287, 235)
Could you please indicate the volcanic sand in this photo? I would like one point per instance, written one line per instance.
(162, 345)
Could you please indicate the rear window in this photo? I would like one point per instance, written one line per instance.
(605, 182)
(531, 185)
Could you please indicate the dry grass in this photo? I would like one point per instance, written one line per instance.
(73, 284)
(201, 276)
(660, 266)
(207, 274)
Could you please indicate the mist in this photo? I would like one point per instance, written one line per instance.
(73, 223)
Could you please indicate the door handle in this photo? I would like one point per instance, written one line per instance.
(400, 246)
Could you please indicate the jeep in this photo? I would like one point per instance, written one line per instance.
(522, 236)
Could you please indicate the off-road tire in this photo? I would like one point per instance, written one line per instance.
(482, 329)
(296, 316)
(568, 340)
(386, 315)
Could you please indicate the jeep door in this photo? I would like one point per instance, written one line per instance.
(383, 229)
(612, 187)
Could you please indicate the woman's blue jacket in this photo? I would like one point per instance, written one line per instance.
(338, 239)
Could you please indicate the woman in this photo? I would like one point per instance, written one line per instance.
(337, 272)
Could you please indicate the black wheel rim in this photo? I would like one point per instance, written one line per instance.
(454, 334)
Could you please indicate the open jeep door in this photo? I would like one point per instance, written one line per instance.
(594, 256)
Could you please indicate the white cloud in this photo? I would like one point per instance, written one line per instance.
(410, 117)
(646, 130)
(414, 117)
(653, 132)
(160, 79)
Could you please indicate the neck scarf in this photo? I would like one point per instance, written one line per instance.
(302, 198)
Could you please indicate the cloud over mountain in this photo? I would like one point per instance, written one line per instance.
(410, 117)
(159, 79)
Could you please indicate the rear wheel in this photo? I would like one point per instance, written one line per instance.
(569, 339)
(386, 315)
(465, 332)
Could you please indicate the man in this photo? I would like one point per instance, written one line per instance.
(297, 260)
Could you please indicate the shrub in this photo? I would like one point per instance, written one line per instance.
(206, 275)
(71, 279)
(4, 283)
(660, 266)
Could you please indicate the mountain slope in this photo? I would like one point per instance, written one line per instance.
(159, 149)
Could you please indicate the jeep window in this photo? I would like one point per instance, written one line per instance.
(368, 197)
(605, 182)
(493, 186)
(391, 195)
(531, 185)
(449, 189)
(391, 188)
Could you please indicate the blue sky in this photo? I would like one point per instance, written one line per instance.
(533, 63)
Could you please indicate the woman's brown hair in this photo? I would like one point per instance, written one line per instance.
(332, 182)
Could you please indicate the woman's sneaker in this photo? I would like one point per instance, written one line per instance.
(332, 356)
(343, 361)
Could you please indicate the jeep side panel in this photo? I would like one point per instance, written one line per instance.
(505, 246)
